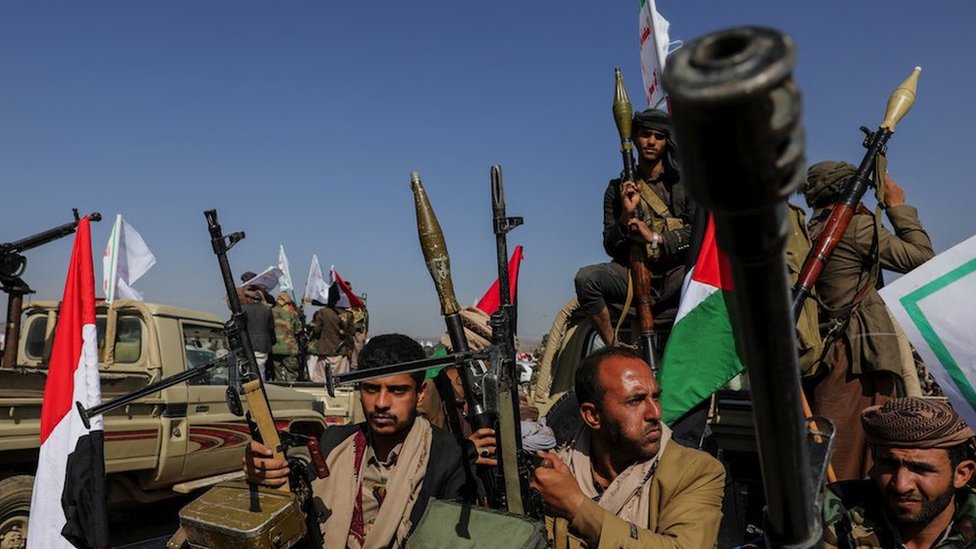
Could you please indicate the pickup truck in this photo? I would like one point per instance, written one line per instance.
(177, 440)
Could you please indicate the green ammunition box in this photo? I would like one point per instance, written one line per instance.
(236, 514)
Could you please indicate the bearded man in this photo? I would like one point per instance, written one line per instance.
(383, 471)
(917, 495)
(624, 482)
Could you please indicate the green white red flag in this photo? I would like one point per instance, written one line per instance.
(700, 355)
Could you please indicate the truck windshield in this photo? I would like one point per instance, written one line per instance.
(202, 344)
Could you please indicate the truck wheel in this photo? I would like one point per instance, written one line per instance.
(15, 499)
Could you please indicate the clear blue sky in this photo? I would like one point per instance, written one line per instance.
(300, 122)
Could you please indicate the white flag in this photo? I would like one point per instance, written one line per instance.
(315, 286)
(654, 42)
(126, 259)
(936, 306)
(285, 280)
(267, 280)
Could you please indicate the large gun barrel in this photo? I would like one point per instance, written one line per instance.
(736, 112)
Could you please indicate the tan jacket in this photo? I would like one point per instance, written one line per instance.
(872, 337)
(685, 511)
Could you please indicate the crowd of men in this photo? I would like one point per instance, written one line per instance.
(905, 461)
(278, 332)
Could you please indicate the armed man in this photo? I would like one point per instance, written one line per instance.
(329, 329)
(383, 471)
(288, 328)
(863, 359)
(918, 494)
(624, 482)
(664, 225)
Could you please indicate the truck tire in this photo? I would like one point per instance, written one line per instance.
(15, 499)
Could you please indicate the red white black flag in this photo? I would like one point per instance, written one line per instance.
(68, 504)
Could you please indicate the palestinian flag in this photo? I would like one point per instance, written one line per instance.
(700, 355)
(68, 504)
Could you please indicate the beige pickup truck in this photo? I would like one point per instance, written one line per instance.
(176, 440)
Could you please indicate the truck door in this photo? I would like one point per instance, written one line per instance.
(216, 436)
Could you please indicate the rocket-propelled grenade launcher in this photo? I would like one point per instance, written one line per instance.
(876, 143)
(623, 115)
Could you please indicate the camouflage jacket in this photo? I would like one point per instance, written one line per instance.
(287, 326)
(853, 519)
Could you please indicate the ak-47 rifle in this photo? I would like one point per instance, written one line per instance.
(640, 274)
(876, 143)
(736, 113)
(12, 266)
(491, 395)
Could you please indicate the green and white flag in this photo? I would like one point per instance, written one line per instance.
(126, 259)
(936, 306)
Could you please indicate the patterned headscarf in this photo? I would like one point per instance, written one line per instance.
(825, 182)
(915, 422)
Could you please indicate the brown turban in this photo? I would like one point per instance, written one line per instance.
(914, 422)
(826, 182)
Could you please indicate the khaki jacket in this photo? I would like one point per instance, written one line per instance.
(872, 337)
(685, 510)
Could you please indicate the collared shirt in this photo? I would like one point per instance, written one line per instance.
(372, 486)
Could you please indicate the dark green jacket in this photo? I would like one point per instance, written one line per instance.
(853, 519)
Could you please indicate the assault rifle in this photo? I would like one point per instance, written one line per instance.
(13, 265)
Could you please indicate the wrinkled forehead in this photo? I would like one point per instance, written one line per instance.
(622, 376)
(935, 457)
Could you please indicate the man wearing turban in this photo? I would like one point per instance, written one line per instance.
(918, 493)
(862, 365)
(664, 225)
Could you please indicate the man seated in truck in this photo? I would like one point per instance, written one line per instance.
(918, 493)
(624, 482)
(383, 471)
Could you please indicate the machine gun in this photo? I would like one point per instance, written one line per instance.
(736, 113)
(12, 266)
(640, 273)
(236, 512)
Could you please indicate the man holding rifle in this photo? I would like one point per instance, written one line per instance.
(664, 225)
(624, 482)
(383, 471)
(863, 362)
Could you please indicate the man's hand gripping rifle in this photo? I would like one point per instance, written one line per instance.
(245, 378)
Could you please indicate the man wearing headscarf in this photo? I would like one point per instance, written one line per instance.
(918, 493)
(862, 362)
(655, 211)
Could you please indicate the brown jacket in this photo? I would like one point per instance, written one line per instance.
(685, 511)
(870, 333)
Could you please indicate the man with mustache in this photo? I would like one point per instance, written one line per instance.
(624, 482)
(383, 471)
(917, 495)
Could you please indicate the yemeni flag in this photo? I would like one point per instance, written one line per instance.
(347, 299)
(700, 355)
(490, 302)
(68, 504)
